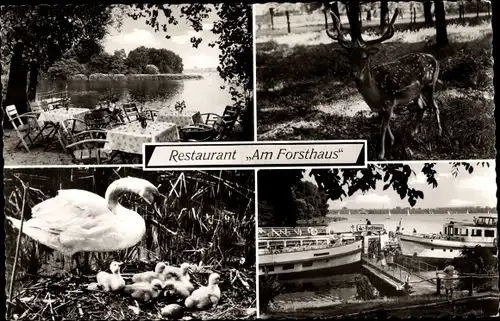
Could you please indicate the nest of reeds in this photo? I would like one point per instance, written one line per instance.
(67, 297)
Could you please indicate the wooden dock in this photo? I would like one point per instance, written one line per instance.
(396, 277)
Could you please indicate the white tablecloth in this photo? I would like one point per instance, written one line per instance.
(130, 137)
(186, 118)
(61, 114)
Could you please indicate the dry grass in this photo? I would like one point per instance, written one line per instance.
(212, 213)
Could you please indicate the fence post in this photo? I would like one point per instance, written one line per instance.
(438, 285)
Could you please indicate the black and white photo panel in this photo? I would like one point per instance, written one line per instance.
(90, 243)
(90, 84)
(393, 240)
(414, 78)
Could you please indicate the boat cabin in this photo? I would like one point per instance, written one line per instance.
(484, 229)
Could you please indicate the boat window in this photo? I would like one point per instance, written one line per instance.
(489, 233)
(288, 266)
(445, 230)
(464, 232)
(270, 269)
(307, 264)
(456, 231)
(476, 232)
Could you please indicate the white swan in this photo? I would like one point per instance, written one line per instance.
(81, 221)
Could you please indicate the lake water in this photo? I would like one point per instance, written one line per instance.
(204, 95)
(423, 223)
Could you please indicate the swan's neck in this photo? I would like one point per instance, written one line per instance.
(118, 187)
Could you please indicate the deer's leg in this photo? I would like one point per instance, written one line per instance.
(384, 126)
(419, 115)
(430, 102)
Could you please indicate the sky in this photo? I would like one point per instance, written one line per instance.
(135, 33)
(476, 189)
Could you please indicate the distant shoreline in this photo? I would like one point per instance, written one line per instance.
(123, 77)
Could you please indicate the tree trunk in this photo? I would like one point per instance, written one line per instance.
(16, 87)
(496, 65)
(441, 33)
(428, 13)
(271, 12)
(335, 9)
(34, 72)
(353, 15)
(288, 21)
(384, 12)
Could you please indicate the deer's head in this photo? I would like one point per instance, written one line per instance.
(358, 51)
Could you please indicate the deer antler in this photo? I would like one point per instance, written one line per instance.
(336, 22)
(389, 32)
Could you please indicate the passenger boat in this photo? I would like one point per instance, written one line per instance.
(436, 249)
(310, 251)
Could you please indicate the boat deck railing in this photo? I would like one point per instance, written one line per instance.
(303, 248)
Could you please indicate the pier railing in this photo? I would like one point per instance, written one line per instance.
(418, 266)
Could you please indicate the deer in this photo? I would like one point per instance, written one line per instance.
(408, 80)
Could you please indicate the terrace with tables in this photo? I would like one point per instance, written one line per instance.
(55, 132)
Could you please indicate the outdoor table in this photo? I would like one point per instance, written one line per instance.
(55, 117)
(130, 137)
(185, 118)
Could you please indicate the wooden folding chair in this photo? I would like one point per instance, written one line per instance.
(87, 148)
(130, 111)
(214, 127)
(36, 107)
(71, 127)
(23, 129)
(102, 122)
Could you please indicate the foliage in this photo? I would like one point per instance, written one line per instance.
(106, 64)
(478, 260)
(276, 186)
(269, 289)
(36, 36)
(64, 68)
(166, 60)
(151, 69)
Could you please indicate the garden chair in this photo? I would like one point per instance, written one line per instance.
(214, 127)
(87, 148)
(36, 107)
(130, 112)
(24, 129)
(71, 127)
(101, 122)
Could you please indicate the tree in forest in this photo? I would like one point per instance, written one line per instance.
(384, 14)
(34, 37)
(428, 21)
(310, 201)
(276, 187)
(441, 32)
(64, 68)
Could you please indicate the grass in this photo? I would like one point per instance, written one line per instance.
(317, 98)
(212, 213)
